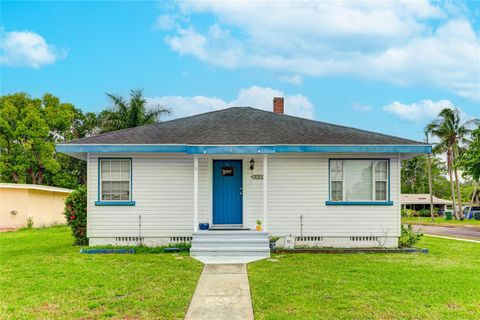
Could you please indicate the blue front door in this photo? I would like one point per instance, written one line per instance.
(227, 191)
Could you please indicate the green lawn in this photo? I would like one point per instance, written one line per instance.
(42, 276)
(441, 221)
(444, 284)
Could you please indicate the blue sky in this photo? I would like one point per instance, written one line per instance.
(381, 66)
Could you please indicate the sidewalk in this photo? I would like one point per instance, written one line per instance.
(223, 292)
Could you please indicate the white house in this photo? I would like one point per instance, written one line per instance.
(315, 183)
(422, 201)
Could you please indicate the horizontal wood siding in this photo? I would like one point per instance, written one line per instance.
(299, 186)
(163, 192)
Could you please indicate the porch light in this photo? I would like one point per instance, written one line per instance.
(252, 164)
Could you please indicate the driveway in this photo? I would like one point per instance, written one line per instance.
(454, 232)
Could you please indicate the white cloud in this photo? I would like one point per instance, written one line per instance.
(392, 41)
(295, 79)
(188, 41)
(28, 49)
(256, 97)
(165, 22)
(361, 107)
(421, 111)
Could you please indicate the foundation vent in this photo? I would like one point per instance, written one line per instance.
(363, 239)
(129, 239)
(180, 239)
(309, 239)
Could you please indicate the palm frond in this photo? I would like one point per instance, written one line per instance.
(132, 113)
(156, 113)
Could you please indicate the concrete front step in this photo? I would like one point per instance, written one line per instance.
(231, 232)
(207, 245)
(229, 252)
(228, 259)
(230, 235)
(229, 243)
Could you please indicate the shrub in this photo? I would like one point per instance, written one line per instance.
(76, 214)
(408, 237)
(408, 213)
(424, 213)
(29, 222)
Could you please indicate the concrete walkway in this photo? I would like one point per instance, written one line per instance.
(222, 292)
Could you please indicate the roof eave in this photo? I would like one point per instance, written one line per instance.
(240, 149)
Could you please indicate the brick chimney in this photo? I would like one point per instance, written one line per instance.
(278, 105)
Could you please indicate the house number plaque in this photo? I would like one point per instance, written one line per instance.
(257, 176)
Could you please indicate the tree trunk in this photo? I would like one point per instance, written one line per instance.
(459, 195)
(473, 197)
(457, 183)
(32, 175)
(452, 188)
(430, 186)
(40, 177)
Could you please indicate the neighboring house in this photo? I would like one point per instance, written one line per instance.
(42, 204)
(313, 182)
(422, 201)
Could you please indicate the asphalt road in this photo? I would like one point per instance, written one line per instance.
(454, 232)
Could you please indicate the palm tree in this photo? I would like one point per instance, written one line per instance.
(450, 132)
(412, 172)
(430, 180)
(128, 114)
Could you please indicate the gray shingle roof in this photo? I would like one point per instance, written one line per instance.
(244, 126)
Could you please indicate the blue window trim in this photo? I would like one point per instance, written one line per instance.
(358, 203)
(114, 203)
(239, 149)
(101, 202)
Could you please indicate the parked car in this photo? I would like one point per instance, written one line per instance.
(471, 214)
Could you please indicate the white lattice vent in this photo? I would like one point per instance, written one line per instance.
(309, 239)
(129, 239)
(180, 239)
(364, 239)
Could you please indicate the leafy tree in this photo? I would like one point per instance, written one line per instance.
(414, 176)
(29, 129)
(469, 160)
(450, 132)
(128, 114)
(73, 172)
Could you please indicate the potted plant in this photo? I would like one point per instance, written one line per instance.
(273, 242)
(259, 225)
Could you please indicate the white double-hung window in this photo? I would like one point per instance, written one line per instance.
(115, 179)
(359, 180)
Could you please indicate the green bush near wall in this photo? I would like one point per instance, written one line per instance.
(76, 214)
(408, 237)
